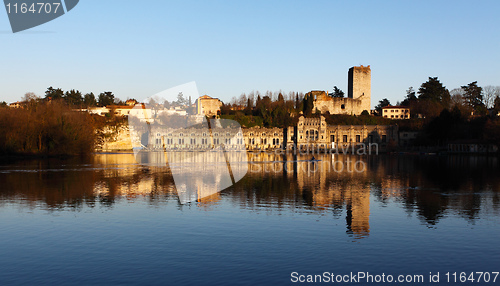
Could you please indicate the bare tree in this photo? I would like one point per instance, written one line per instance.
(30, 96)
(234, 101)
(457, 100)
(489, 95)
(457, 97)
(242, 100)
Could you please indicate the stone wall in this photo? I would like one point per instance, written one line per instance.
(337, 105)
(208, 106)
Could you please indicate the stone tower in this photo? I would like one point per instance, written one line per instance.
(359, 86)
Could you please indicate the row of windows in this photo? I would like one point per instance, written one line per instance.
(276, 141)
(204, 141)
(345, 138)
(397, 116)
(312, 124)
(264, 134)
(204, 134)
(397, 110)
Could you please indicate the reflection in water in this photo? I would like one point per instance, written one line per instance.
(432, 187)
(198, 174)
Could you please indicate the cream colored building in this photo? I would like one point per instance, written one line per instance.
(208, 106)
(396, 112)
(257, 138)
(312, 134)
(315, 133)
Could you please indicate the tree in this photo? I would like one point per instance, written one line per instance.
(180, 99)
(457, 101)
(496, 104)
(89, 100)
(434, 90)
(308, 104)
(106, 98)
(382, 103)
(54, 94)
(337, 92)
(166, 104)
(30, 96)
(281, 99)
(489, 94)
(473, 96)
(73, 97)
(31, 99)
(410, 97)
(433, 97)
(118, 101)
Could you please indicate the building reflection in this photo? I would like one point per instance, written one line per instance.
(336, 183)
(344, 186)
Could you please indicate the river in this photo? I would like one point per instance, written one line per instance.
(108, 220)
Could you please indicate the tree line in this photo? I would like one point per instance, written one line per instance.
(465, 114)
(45, 128)
(51, 126)
(280, 109)
(433, 97)
(75, 98)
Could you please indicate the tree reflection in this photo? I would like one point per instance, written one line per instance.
(432, 187)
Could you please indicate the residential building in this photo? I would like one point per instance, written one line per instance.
(396, 112)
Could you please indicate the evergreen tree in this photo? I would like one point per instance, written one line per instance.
(180, 99)
(73, 97)
(382, 103)
(337, 92)
(281, 99)
(54, 94)
(433, 90)
(410, 97)
(106, 98)
(308, 104)
(89, 100)
(473, 95)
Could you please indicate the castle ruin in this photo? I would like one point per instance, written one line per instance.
(358, 95)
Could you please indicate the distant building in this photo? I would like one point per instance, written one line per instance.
(97, 110)
(311, 134)
(315, 133)
(396, 112)
(208, 106)
(358, 95)
(120, 110)
(18, 104)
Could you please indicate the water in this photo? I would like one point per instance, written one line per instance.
(111, 221)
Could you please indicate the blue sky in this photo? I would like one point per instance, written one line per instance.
(138, 48)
